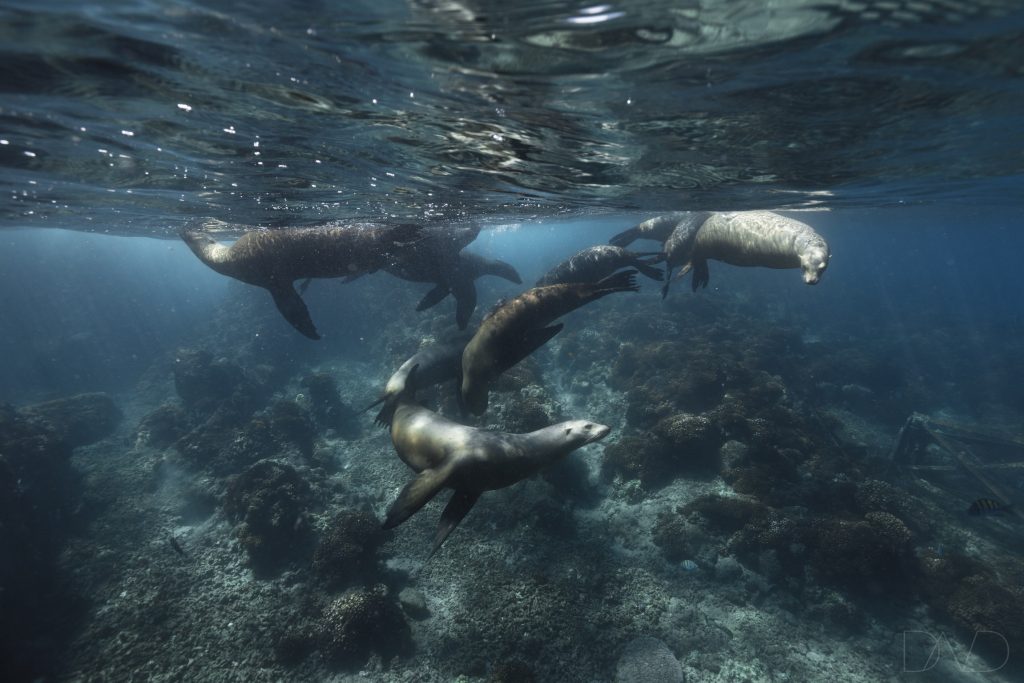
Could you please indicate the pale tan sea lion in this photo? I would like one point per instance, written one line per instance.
(275, 259)
(446, 454)
(748, 238)
(517, 328)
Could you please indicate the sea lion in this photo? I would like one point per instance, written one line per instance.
(441, 261)
(658, 228)
(517, 328)
(600, 261)
(751, 238)
(434, 364)
(274, 259)
(446, 454)
(459, 280)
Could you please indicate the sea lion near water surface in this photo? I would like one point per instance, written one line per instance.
(275, 259)
(446, 454)
(459, 280)
(660, 227)
(598, 262)
(746, 238)
(434, 364)
(517, 328)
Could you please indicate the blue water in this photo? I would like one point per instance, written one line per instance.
(894, 129)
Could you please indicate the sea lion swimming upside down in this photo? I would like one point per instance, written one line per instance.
(517, 328)
(446, 454)
(275, 259)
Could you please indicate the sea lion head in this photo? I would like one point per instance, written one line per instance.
(581, 432)
(813, 261)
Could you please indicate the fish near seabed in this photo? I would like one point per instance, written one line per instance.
(275, 259)
(446, 454)
(987, 506)
(520, 326)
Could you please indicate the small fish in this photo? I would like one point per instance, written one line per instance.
(689, 566)
(176, 545)
(987, 506)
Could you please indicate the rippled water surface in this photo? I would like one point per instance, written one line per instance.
(138, 116)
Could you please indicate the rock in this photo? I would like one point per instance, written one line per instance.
(347, 549)
(79, 420)
(414, 603)
(359, 623)
(648, 660)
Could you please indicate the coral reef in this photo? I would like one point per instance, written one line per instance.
(39, 495)
(347, 549)
(359, 623)
(162, 427)
(327, 407)
(80, 420)
(269, 500)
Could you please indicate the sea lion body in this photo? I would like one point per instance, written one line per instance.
(274, 259)
(440, 260)
(598, 262)
(434, 364)
(518, 327)
(446, 454)
(658, 228)
(758, 238)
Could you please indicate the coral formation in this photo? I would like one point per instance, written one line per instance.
(328, 409)
(269, 500)
(79, 420)
(347, 549)
(360, 622)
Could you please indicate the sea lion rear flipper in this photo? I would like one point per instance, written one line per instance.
(668, 279)
(624, 238)
(293, 309)
(415, 495)
(647, 269)
(701, 274)
(624, 281)
(455, 511)
(464, 292)
(503, 270)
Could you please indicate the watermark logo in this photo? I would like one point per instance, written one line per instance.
(923, 650)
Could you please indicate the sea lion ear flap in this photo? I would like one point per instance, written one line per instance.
(414, 496)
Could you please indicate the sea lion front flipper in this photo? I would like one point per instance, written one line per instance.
(668, 279)
(415, 495)
(455, 511)
(464, 291)
(701, 274)
(433, 297)
(293, 309)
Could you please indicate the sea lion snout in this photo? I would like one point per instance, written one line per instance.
(814, 262)
(585, 432)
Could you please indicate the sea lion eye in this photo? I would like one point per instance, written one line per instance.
(568, 430)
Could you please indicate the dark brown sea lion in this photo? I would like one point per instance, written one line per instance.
(749, 238)
(434, 364)
(659, 227)
(440, 260)
(517, 328)
(275, 259)
(446, 454)
(600, 261)
(460, 282)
